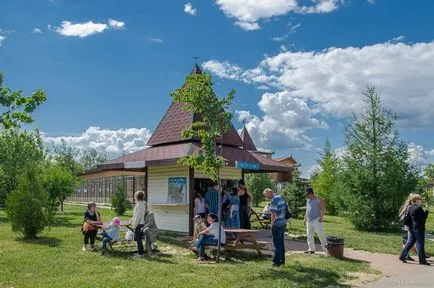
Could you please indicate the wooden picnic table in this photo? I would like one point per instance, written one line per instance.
(245, 239)
(264, 219)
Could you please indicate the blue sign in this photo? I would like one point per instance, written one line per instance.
(247, 165)
(177, 190)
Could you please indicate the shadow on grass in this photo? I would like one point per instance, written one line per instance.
(45, 241)
(312, 277)
(4, 220)
(159, 257)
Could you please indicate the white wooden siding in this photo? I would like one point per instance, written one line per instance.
(226, 173)
(173, 218)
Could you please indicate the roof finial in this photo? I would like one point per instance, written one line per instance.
(196, 68)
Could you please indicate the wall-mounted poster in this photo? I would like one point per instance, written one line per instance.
(177, 190)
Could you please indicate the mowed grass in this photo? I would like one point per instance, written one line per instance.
(390, 243)
(56, 260)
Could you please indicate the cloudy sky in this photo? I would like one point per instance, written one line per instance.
(298, 66)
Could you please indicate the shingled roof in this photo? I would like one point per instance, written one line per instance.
(247, 140)
(178, 119)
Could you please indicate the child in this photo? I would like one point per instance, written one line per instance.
(90, 229)
(111, 233)
(209, 237)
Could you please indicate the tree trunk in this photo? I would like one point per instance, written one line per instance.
(61, 206)
(219, 217)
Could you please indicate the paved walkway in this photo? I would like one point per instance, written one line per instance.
(395, 273)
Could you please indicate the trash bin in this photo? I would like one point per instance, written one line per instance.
(335, 247)
(404, 240)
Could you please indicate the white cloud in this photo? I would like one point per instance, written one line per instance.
(85, 29)
(250, 11)
(430, 152)
(248, 26)
(116, 24)
(292, 30)
(283, 48)
(371, 1)
(80, 29)
(2, 38)
(188, 8)
(285, 121)
(399, 38)
(112, 142)
(332, 80)
(156, 40)
(37, 31)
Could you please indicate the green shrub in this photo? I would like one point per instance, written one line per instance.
(28, 206)
(256, 184)
(120, 203)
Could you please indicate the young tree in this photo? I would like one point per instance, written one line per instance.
(295, 194)
(15, 109)
(91, 158)
(327, 181)
(60, 183)
(17, 148)
(66, 156)
(378, 173)
(257, 183)
(120, 202)
(27, 206)
(198, 96)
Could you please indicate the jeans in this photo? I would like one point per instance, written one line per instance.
(205, 240)
(90, 235)
(278, 234)
(105, 240)
(408, 238)
(312, 227)
(244, 217)
(138, 237)
(235, 220)
(418, 237)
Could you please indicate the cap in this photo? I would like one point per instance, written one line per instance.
(309, 191)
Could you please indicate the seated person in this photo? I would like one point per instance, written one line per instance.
(110, 233)
(199, 226)
(266, 212)
(150, 231)
(209, 236)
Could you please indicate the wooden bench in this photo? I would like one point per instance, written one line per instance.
(245, 239)
(259, 217)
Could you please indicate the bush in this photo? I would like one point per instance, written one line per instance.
(120, 202)
(28, 206)
(256, 184)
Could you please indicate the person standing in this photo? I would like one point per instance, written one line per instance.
(212, 199)
(234, 210)
(91, 221)
(245, 198)
(313, 219)
(278, 226)
(199, 205)
(417, 230)
(138, 220)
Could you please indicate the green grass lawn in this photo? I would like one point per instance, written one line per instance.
(373, 242)
(56, 260)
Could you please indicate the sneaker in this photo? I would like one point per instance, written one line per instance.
(137, 255)
(275, 265)
(103, 253)
(403, 260)
(426, 263)
(408, 258)
(84, 248)
(201, 259)
(92, 248)
(309, 252)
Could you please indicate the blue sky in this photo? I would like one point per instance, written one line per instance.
(298, 67)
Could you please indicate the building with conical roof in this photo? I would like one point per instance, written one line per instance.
(170, 187)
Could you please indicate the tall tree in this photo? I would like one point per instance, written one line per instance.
(15, 109)
(91, 158)
(378, 173)
(326, 181)
(198, 97)
(295, 193)
(257, 183)
(17, 148)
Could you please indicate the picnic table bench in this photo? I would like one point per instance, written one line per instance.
(120, 243)
(264, 219)
(244, 239)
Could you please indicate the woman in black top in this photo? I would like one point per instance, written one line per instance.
(245, 197)
(91, 218)
(417, 229)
